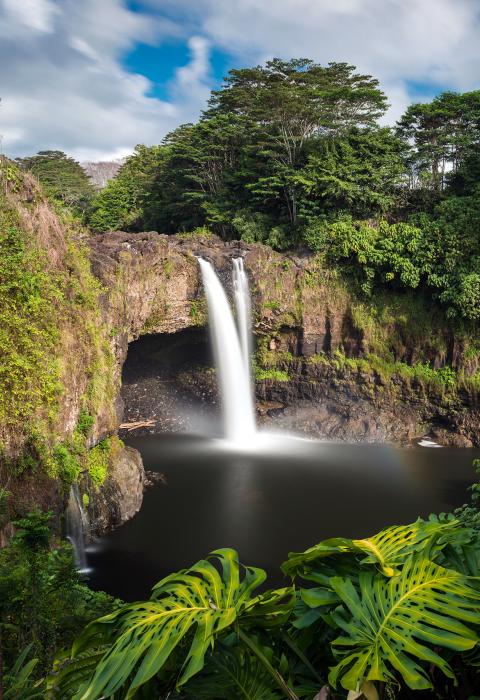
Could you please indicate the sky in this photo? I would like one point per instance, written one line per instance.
(95, 77)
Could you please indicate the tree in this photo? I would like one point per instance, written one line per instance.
(358, 173)
(62, 178)
(122, 203)
(440, 133)
(291, 101)
(197, 183)
(43, 604)
(245, 159)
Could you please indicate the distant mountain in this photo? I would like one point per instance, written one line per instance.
(100, 173)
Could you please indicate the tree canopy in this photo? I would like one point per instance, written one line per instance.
(292, 154)
(62, 178)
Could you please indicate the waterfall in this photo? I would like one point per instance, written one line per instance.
(244, 312)
(231, 350)
(76, 521)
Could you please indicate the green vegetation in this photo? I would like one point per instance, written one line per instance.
(121, 204)
(291, 154)
(99, 458)
(198, 311)
(72, 458)
(276, 375)
(391, 614)
(62, 178)
(43, 605)
(48, 303)
(29, 297)
(442, 378)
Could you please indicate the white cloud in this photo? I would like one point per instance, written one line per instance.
(398, 41)
(36, 15)
(63, 85)
(395, 40)
(199, 67)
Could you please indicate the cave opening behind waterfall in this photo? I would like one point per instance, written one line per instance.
(169, 384)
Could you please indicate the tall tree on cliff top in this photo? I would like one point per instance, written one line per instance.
(291, 101)
(199, 181)
(122, 204)
(62, 178)
(441, 134)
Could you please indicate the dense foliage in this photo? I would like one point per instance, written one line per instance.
(394, 613)
(61, 177)
(43, 605)
(121, 205)
(291, 154)
(48, 304)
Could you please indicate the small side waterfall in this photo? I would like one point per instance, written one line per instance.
(76, 522)
(232, 350)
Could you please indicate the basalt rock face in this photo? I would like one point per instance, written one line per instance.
(59, 393)
(303, 312)
(347, 404)
(121, 495)
(152, 285)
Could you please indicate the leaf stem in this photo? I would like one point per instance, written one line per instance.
(288, 692)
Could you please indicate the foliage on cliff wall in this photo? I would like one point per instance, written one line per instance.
(57, 365)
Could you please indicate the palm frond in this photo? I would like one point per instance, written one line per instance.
(18, 683)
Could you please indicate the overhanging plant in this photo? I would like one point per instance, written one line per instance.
(192, 609)
(402, 600)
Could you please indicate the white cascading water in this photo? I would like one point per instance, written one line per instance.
(76, 522)
(244, 313)
(232, 350)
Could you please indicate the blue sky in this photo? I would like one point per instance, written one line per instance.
(159, 64)
(96, 77)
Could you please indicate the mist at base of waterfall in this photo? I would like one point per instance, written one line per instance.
(267, 499)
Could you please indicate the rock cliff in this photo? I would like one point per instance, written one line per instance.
(328, 363)
(333, 365)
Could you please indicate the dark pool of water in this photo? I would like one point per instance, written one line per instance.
(280, 498)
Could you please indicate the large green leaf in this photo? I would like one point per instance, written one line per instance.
(192, 607)
(392, 624)
(386, 550)
(233, 673)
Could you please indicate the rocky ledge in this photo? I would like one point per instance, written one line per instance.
(311, 330)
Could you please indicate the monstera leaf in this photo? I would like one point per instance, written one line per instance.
(386, 550)
(190, 607)
(233, 673)
(394, 624)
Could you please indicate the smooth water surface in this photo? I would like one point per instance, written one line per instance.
(283, 496)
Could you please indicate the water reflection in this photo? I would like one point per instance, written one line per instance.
(267, 502)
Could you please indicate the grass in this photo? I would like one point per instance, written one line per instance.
(202, 231)
(273, 305)
(443, 378)
(198, 312)
(277, 375)
(97, 462)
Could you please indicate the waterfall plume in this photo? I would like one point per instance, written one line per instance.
(231, 347)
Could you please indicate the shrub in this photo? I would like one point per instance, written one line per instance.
(68, 466)
(98, 462)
